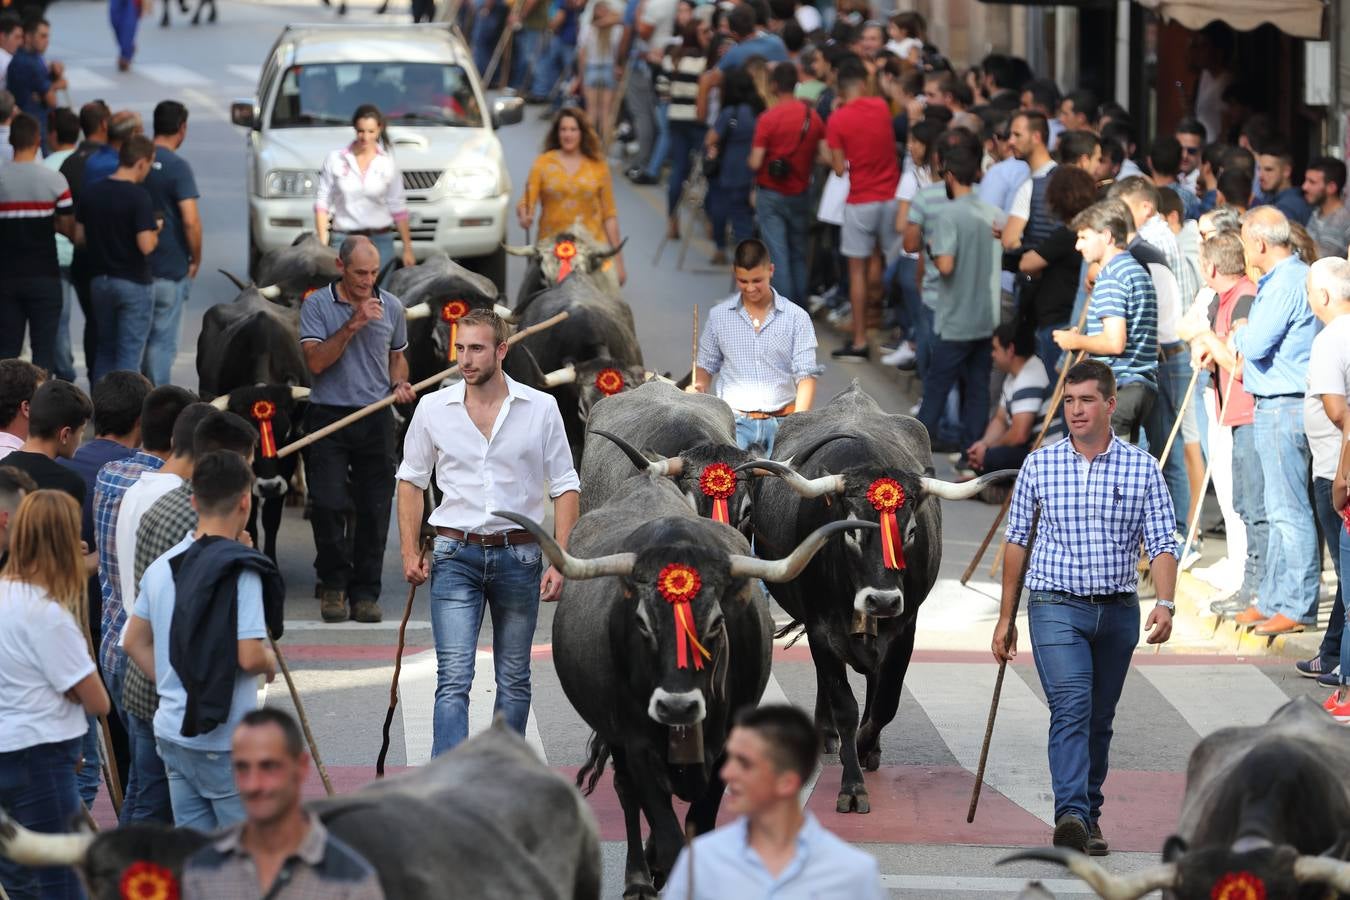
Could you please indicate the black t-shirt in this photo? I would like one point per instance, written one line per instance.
(113, 212)
(47, 473)
(1054, 291)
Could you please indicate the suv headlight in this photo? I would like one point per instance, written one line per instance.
(291, 183)
(473, 184)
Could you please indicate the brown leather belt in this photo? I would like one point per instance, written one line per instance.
(776, 414)
(367, 232)
(496, 539)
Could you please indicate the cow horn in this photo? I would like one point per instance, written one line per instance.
(237, 283)
(791, 566)
(222, 402)
(807, 487)
(570, 566)
(666, 466)
(1334, 873)
(299, 393)
(800, 458)
(271, 291)
(566, 375)
(951, 490)
(521, 251)
(417, 311)
(505, 313)
(1107, 885)
(29, 848)
(606, 254)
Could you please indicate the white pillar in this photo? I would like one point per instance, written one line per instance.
(1123, 53)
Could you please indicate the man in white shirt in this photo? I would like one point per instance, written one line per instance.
(491, 443)
(1030, 220)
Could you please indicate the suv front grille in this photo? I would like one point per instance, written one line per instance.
(420, 179)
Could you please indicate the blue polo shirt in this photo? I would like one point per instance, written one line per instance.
(361, 374)
(763, 44)
(1277, 342)
(29, 80)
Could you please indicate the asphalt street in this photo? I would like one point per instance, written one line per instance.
(917, 828)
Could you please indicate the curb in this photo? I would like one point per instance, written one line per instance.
(1196, 623)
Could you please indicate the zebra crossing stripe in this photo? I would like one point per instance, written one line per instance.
(1204, 695)
(248, 73)
(171, 74)
(83, 79)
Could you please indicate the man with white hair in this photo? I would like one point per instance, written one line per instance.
(1324, 420)
(1274, 346)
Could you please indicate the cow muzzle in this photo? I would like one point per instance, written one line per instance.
(879, 603)
(28, 848)
(683, 708)
(270, 488)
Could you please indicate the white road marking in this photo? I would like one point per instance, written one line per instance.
(1204, 694)
(1007, 887)
(84, 79)
(248, 73)
(955, 697)
(293, 625)
(773, 693)
(171, 74)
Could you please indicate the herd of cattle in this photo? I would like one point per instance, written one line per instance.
(663, 633)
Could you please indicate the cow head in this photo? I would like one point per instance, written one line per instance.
(290, 274)
(707, 474)
(596, 379)
(270, 408)
(680, 582)
(874, 562)
(574, 250)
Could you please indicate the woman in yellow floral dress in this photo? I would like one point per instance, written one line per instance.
(570, 184)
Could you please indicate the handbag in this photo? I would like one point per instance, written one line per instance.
(712, 165)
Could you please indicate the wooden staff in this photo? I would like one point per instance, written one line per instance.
(300, 714)
(1003, 666)
(1209, 468)
(1181, 413)
(693, 351)
(619, 94)
(107, 760)
(398, 667)
(422, 385)
(507, 33)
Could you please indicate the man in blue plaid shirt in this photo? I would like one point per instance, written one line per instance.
(1099, 497)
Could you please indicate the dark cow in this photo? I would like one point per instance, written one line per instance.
(657, 641)
(487, 821)
(288, 275)
(833, 463)
(552, 259)
(1266, 814)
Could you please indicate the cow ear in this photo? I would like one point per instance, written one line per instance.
(1174, 848)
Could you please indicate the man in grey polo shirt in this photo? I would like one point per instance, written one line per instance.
(353, 337)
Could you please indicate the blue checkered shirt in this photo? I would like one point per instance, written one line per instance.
(114, 480)
(758, 371)
(1093, 515)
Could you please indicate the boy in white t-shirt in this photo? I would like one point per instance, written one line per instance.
(1021, 408)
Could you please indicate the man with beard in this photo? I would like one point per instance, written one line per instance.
(492, 443)
(353, 336)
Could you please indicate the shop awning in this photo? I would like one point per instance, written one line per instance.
(1296, 18)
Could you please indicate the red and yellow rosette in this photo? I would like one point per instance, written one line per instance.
(451, 313)
(263, 411)
(1239, 886)
(886, 496)
(718, 481)
(609, 381)
(564, 252)
(148, 881)
(680, 584)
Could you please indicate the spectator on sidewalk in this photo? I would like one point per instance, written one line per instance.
(596, 45)
(11, 39)
(14, 485)
(677, 82)
(729, 140)
(8, 110)
(561, 55)
(64, 133)
(121, 230)
(94, 118)
(200, 628)
(1030, 220)
(773, 847)
(1122, 321)
(1275, 346)
(178, 256)
(18, 380)
(1329, 224)
(1274, 169)
(1055, 266)
(648, 26)
(1164, 161)
(35, 207)
(1023, 402)
(35, 83)
(48, 683)
(1192, 136)
(57, 415)
(123, 125)
(862, 144)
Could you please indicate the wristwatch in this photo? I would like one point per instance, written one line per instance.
(1169, 605)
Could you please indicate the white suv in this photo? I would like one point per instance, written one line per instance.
(423, 78)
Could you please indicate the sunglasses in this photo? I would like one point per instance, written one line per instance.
(1002, 135)
(1191, 151)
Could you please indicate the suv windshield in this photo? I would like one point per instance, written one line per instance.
(407, 93)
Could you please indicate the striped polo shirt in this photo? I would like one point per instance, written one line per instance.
(31, 196)
(1124, 290)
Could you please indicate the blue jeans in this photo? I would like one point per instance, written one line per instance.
(64, 360)
(525, 49)
(1249, 500)
(487, 30)
(161, 347)
(1048, 350)
(925, 339)
(123, 311)
(464, 579)
(662, 145)
(1333, 531)
(147, 796)
(1082, 652)
(37, 790)
(762, 432)
(911, 296)
(730, 204)
(958, 362)
(784, 225)
(685, 138)
(201, 787)
(384, 244)
(1293, 569)
(558, 59)
(125, 16)
(90, 775)
(1174, 375)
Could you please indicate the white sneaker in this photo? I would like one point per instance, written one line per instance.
(914, 410)
(902, 357)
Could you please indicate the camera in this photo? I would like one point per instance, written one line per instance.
(779, 168)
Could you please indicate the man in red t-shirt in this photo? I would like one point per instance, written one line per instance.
(862, 143)
(784, 148)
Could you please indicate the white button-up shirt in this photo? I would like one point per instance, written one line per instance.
(507, 471)
(361, 201)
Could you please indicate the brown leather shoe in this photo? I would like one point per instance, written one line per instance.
(1279, 624)
(366, 611)
(1250, 616)
(333, 605)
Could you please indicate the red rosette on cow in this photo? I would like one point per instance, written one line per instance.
(564, 252)
(263, 411)
(679, 584)
(148, 881)
(886, 496)
(718, 481)
(1239, 886)
(609, 381)
(451, 313)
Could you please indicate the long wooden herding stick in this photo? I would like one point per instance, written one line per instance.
(398, 667)
(300, 714)
(419, 387)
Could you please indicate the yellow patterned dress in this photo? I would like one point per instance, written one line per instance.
(586, 196)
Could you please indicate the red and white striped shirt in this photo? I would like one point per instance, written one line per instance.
(31, 196)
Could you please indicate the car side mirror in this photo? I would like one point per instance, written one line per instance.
(244, 114)
(507, 111)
